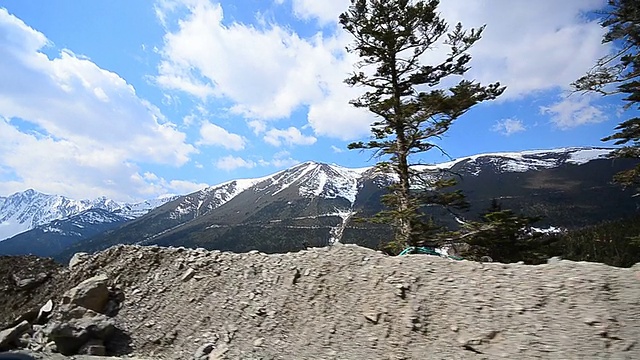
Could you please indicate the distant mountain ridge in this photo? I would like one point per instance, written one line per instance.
(28, 209)
(54, 237)
(315, 204)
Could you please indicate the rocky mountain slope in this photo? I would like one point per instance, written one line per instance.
(315, 204)
(339, 302)
(26, 210)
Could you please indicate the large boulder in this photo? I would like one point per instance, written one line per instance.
(71, 327)
(9, 337)
(92, 294)
(77, 259)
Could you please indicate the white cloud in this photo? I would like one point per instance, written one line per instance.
(508, 126)
(336, 149)
(212, 134)
(87, 126)
(268, 76)
(290, 136)
(284, 162)
(532, 47)
(230, 162)
(325, 12)
(184, 186)
(527, 47)
(281, 159)
(573, 111)
(258, 127)
(273, 73)
(155, 184)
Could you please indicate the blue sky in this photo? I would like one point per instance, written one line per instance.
(134, 99)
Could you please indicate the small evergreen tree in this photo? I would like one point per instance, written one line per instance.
(619, 73)
(502, 235)
(406, 96)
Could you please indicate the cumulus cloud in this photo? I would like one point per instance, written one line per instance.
(508, 126)
(325, 12)
(272, 74)
(573, 111)
(157, 184)
(281, 159)
(212, 134)
(230, 162)
(290, 136)
(528, 48)
(87, 122)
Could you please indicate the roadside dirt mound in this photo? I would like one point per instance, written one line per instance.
(27, 283)
(353, 303)
(347, 302)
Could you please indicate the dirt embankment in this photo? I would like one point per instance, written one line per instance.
(347, 302)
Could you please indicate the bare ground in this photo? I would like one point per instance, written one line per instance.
(347, 302)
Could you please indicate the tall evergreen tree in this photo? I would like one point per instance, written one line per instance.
(619, 73)
(412, 107)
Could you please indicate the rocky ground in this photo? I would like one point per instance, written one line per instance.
(340, 302)
(27, 283)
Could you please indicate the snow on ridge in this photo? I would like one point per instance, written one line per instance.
(332, 181)
(298, 173)
(520, 161)
(219, 194)
(583, 156)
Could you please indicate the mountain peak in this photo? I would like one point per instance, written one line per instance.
(27, 193)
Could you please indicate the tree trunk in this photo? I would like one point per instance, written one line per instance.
(405, 228)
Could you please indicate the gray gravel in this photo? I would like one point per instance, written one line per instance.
(348, 302)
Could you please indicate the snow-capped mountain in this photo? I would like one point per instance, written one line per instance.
(525, 160)
(316, 203)
(26, 210)
(51, 238)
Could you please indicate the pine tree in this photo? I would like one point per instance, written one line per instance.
(412, 107)
(502, 235)
(619, 73)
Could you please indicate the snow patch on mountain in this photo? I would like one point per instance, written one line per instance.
(212, 197)
(135, 210)
(583, 156)
(332, 181)
(335, 234)
(288, 178)
(526, 160)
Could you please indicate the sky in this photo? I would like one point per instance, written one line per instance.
(135, 99)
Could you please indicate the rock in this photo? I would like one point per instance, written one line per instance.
(554, 260)
(93, 347)
(44, 312)
(258, 342)
(219, 353)
(77, 259)
(29, 316)
(202, 353)
(10, 336)
(372, 316)
(30, 282)
(17, 356)
(92, 294)
(72, 326)
(188, 275)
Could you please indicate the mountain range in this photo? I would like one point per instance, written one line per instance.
(316, 204)
(29, 209)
